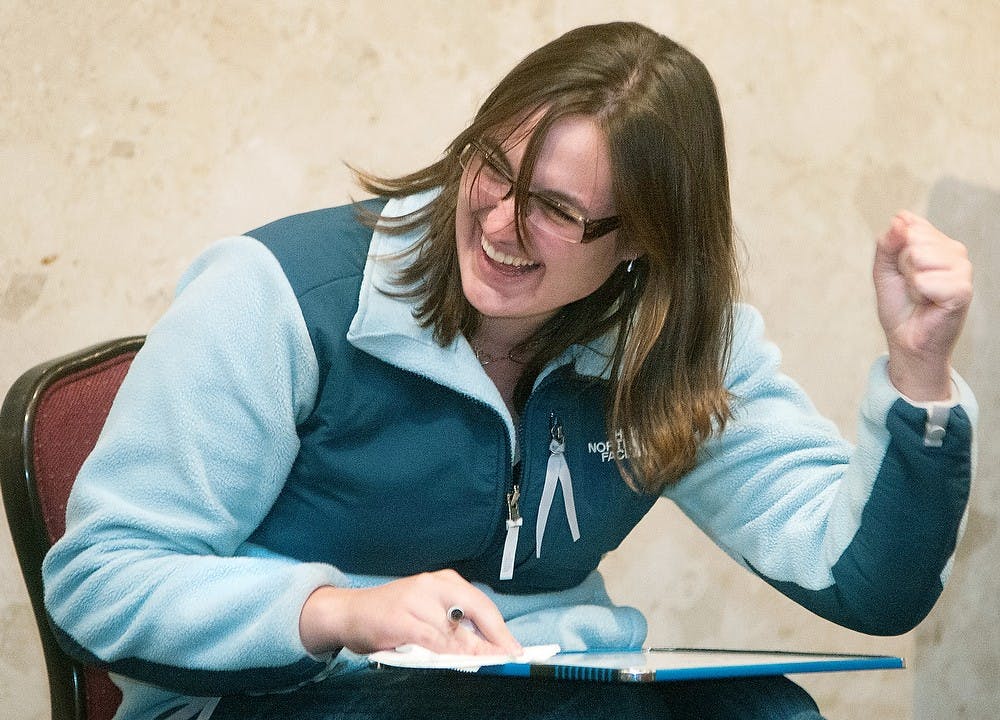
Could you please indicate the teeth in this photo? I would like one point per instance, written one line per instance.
(501, 257)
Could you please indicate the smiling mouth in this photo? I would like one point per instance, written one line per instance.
(512, 262)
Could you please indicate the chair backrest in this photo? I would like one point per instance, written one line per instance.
(49, 423)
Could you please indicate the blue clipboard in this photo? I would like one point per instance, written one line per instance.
(666, 664)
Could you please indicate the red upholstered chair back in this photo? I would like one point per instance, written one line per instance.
(49, 423)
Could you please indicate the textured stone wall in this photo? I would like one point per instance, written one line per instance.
(132, 134)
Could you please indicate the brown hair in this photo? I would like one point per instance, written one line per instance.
(672, 315)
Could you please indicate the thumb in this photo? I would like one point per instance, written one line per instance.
(891, 242)
(889, 245)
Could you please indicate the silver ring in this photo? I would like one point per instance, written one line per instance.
(455, 614)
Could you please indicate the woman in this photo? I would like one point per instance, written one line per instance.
(336, 433)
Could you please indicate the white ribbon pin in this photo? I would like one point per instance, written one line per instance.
(556, 470)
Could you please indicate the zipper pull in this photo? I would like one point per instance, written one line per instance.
(514, 523)
(513, 506)
(558, 439)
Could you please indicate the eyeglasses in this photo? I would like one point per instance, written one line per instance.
(547, 215)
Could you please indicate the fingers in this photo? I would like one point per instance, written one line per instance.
(411, 610)
(935, 267)
(483, 630)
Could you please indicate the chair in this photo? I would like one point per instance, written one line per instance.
(49, 423)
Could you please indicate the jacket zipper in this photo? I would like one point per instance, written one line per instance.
(513, 521)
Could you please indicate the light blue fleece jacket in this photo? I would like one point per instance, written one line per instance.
(156, 575)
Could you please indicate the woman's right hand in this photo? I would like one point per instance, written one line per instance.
(409, 610)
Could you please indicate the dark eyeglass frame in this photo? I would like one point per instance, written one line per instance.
(592, 229)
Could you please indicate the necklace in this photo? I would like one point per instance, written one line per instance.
(485, 358)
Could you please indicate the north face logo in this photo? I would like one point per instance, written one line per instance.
(610, 450)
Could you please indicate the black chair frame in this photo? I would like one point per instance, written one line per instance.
(24, 510)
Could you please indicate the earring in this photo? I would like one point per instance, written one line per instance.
(631, 264)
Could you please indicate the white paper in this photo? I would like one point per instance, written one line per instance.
(415, 656)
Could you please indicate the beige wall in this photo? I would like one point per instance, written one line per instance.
(134, 133)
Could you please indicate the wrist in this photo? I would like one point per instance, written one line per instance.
(318, 621)
(924, 379)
